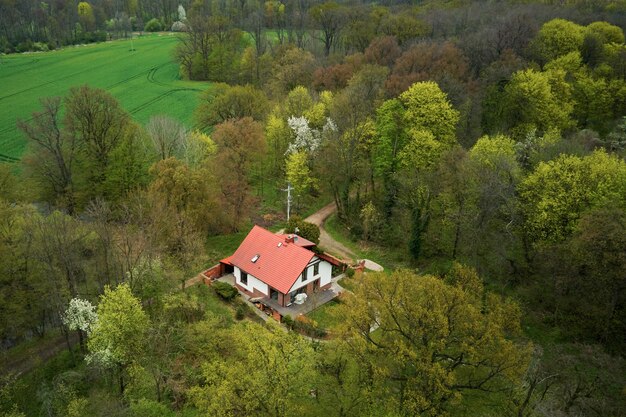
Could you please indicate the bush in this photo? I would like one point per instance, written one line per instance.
(349, 272)
(179, 27)
(288, 321)
(225, 290)
(241, 311)
(153, 25)
(307, 230)
(306, 326)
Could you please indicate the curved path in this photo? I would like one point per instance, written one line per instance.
(326, 241)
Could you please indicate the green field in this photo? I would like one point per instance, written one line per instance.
(144, 80)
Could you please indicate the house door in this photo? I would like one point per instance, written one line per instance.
(273, 294)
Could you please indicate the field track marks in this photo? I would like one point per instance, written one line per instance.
(160, 97)
(14, 127)
(60, 78)
(7, 158)
(153, 80)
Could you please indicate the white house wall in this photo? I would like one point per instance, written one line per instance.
(253, 283)
(325, 274)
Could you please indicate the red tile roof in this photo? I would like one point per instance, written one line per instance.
(279, 263)
(300, 241)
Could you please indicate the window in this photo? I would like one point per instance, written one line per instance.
(316, 269)
(255, 258)
(304, 274)
(244, 278)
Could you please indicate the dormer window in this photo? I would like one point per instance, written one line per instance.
(255, 258)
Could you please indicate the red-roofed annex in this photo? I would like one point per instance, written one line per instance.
(277, 266)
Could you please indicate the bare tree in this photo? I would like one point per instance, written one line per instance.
(55, 152)
(167, 134)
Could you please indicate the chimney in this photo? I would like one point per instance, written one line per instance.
(289, 239)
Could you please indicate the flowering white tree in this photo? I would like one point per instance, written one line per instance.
(80, 315)
(307, 138)
(182, 15)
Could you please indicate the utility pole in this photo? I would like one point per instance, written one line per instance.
(288, 189)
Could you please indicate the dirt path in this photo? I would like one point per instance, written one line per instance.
(326, 241)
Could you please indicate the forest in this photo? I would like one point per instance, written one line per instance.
(474, 148)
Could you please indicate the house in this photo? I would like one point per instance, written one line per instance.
(277, 267)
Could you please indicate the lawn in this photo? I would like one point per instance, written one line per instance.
(144, 80)
(327, 316)
(389, 258)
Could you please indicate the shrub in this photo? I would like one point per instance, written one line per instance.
(306, 326)
(179, 27)
(241, 311)
(307, 230)
(153, 25)
(225, 290)
(288, 321)
(349, 272)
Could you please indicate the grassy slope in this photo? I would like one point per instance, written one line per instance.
(145, 81)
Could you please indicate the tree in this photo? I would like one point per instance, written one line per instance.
(557, 37)
(441, 62)
(184, 207)
(307, 230)
(80, 316)
(240, 145)
(118, 337)
(99, 124)
(86, 16)
(558, 192)
(583, 278)
(299, 174)
(223, 102)
(329, 18)
(54, 154)
(435, 341)
(291, 67)
(383, 51)
(540, 100)
(167, 134)
(427, 108)
(236, 386)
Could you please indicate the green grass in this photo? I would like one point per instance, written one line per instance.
(327, 316)
(145, 81)
(389, 258)
(219, 247)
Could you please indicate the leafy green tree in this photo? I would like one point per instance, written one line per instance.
(593, 103)
(86, 15)
(236, 385)
(99, 124)
(557, 37)
(607, 32)
(540, 100)
(153, 25)
(118, 337)
(583, 278)
(299, 174)
(429, 117)
(434, 342)
(558, 192)
(222, 103)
